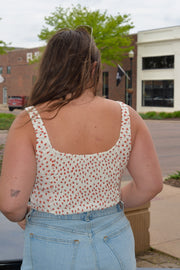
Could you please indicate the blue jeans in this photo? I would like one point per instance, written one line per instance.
(95, 240)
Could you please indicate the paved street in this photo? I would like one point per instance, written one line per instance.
(166, 137)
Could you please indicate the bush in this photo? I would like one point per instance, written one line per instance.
(169, 115)
(176, 114)
(151, 114)
(174, 176)
(143, 115)
(160, 115)
(163, 115)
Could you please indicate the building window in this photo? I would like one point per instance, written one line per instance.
(29, 57)
(8, 70)
(36, 54)
(158, 93)
(158, 62)
(20, 59)
(4, 95)
(1, 70)
(105, 89)
(32, 56)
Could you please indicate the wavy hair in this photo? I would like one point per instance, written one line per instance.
(71, 63)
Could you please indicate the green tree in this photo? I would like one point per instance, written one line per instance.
(3, 46)
(111, 33)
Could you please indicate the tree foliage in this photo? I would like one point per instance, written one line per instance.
(3, 46)
(111, 33)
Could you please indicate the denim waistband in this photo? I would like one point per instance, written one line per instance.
(81, 216)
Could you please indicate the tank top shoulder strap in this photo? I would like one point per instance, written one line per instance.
(38, 125)
(125, 121)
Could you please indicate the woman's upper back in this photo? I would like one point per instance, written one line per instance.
(85, 128)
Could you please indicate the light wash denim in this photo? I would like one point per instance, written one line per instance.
(95, 240)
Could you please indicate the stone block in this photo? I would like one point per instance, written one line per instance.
(139, 219)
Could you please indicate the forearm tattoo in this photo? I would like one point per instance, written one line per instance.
(14, 192)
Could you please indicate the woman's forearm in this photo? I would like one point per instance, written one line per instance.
(134, 196)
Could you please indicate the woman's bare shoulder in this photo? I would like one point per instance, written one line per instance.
(21, 120)
(21, 127)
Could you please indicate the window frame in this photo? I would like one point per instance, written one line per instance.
(156, 60)
(158, 99)
(8, 69)
(105, 84)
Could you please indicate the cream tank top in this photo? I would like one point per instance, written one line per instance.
(75, 183)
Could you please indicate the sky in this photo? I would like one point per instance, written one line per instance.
(22, 21)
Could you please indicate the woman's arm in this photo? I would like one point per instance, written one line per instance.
(143, 166)
(18, 169)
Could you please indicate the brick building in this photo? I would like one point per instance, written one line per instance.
(17, 72)
(19, 76)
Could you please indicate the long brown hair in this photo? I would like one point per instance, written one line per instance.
(70, 64)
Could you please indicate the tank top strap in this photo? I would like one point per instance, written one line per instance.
(125, 131)
(38, 125)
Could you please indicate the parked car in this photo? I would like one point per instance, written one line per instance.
(11, 244)
(11, 265)
(17, 102)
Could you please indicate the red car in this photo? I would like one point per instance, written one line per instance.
(17, 102)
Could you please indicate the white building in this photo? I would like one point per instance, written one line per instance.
(158, 70)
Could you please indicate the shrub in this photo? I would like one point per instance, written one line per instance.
(151, 114)
(176, 114)
(160, 115)
(174, 176)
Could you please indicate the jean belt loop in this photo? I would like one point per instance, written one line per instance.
(28, 216)
(121, 204)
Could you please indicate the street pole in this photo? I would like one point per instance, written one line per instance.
(131, 56)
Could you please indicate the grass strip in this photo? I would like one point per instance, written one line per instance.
(6, 120)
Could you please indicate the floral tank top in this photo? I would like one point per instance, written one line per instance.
(75, 183)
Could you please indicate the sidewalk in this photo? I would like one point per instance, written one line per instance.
(165, 221)
(156, 260)
(164, 231)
